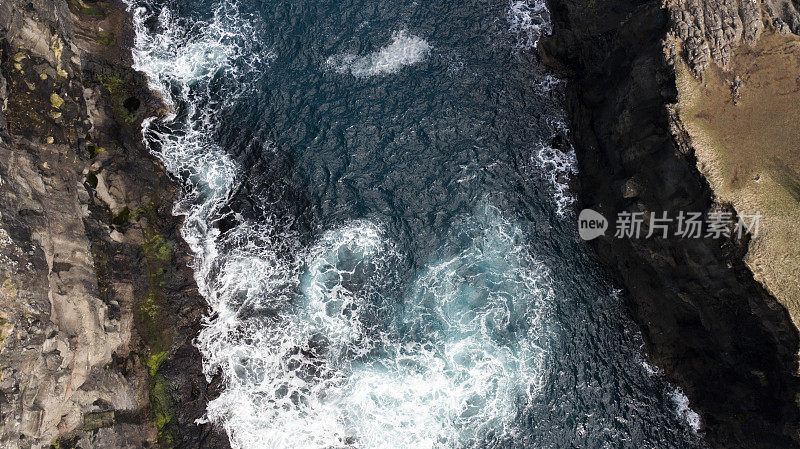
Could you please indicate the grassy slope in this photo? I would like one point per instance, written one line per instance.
(750, 151)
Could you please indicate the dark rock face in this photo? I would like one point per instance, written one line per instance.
(714, 331)
(98, 306)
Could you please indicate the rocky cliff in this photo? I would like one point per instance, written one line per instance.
(98, 306)
(713, 329)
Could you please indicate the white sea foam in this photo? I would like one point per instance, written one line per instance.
(529, 21)
(184, 55)
(651, 370)
(405, 49)
(548, 83)
(559, 166)
(332, 368)
(311, 352)
(683, 410)
(286, 369)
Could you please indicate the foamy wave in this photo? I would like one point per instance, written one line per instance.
(651, 370)
(683, 410)
(529, 21)
(340, 286)
(404, 50)
(311, 351)
(181, 60)
(190, 54)
(286, 366)
(336, 368)
(559, 165)
(548, 83)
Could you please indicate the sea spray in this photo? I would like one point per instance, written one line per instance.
(529, 21)
(684, 411)
(557, 158)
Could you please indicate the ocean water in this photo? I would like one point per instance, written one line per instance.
(376, 193)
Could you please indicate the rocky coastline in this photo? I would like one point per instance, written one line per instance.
(98, 305)
(712, 328)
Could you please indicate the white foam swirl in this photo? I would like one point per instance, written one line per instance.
(342, 366)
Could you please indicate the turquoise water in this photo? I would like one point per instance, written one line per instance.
(376, 196)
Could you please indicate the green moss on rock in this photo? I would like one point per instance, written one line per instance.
(95, 9)
(155, 246)
(94, 150)
(157, 252)
(164, 410)
(119, 91)
(107, 39)
(98, 420)
(64, 443)
(56, 101)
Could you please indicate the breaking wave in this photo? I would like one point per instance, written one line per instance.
(557, 158)
(343, 364)
(529, 21)
(684, 411)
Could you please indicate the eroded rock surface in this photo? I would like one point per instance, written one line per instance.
(97, 303)
(708, 31)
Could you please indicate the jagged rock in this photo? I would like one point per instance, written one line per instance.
(784, 14)
(736, 87)
(710, 30)
(73, 268)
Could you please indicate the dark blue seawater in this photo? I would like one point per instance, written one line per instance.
(376, 195)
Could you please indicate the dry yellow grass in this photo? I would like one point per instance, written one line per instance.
(750, 151)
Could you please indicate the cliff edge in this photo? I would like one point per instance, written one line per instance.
(713, 328)
(738, 96)
(98, 306)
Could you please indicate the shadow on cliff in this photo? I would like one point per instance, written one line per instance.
(707, 323)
